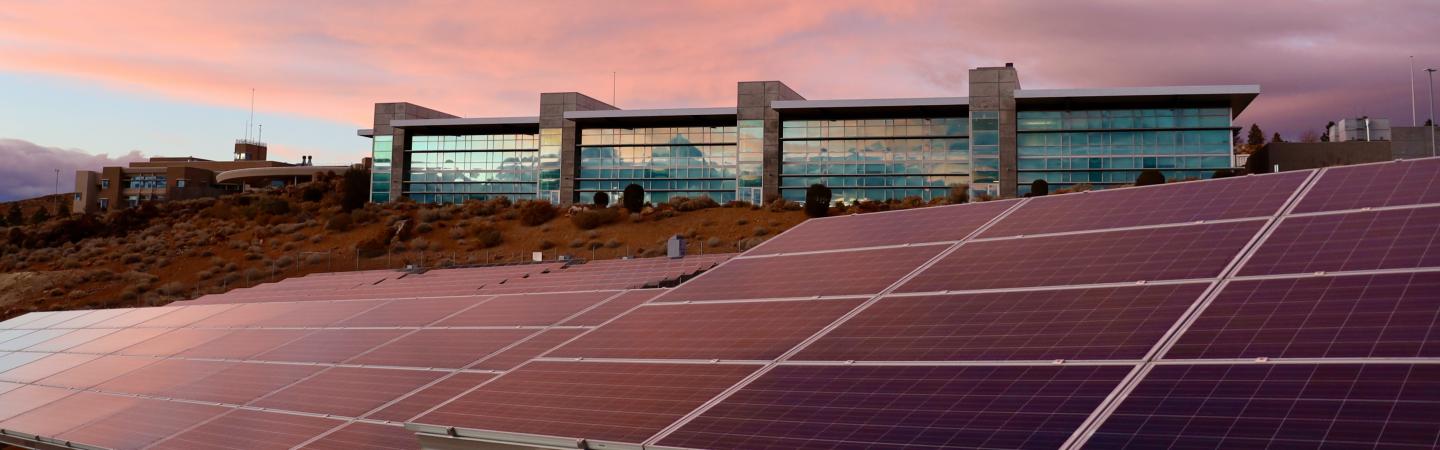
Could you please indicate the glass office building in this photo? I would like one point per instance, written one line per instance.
(775, 144)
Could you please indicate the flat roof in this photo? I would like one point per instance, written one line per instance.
(367, 132)
(1237, 96)
(466, 121)
(287, 171)
(646, 113)
(870, 103)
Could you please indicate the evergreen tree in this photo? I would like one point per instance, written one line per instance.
(16, 217)
(1150, 177)
(1256, 137)
(41, 215)
(817, 200)
(1277, 138)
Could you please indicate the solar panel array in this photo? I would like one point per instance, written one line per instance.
(1295, 310)
(322, 361)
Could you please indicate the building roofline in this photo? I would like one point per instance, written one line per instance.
(366, 132)
(465, 121)
(870, 103)
(644, 113)
(1231, 89)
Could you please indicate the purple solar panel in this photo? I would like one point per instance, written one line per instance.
(861, 272)
(348, 391)
(526, 310)
(44, 367)
(330, 346)
(1375, 185)
(71, 339)
(16, 401)
(31, 339)
(531, 348)
(183, 316)
(243, 344)
(1325, 406)
(10, 361)
(412, 312)
(163, 377)
(623, 402)
(134, 316)
(910, 226)
(118, 340)
(363, 436)
(242, 383)
(173, 342)
(97, 371)
(142, 424)
(1226, 198)
(1104, 323)
(1395, 239)
(753, 330)
(1169, 253)
(67, 413)
(821, 407)
(410, 406)
(1371, 316)
(452, 349)
(613, 307)
(245, 429)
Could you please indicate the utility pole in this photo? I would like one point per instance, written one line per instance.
(1413, 121)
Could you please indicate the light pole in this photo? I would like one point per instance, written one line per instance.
(1431, 73)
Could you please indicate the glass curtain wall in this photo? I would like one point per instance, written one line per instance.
(452, 169)
(874, 159)
(380, 168)
(666, 161)
(1106, 148)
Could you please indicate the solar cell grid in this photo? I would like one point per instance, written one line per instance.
(9, 361)
(34, 338)
(412, 312)
(1368, 316)
(613, 307)
(133, 317)
(19, 400)
(1101, 323)
(739, 331)
(418, 402)
(44, 367)
(453, 349)
(173, 342)
(6, 335)
(806, 275)
(1169, 253)
(1375, 185)
(348, 391)
(97, 371)
(1228, 198)
(242, 383)
(118, 340)
(67, 413)
(526, 310)
(623, 402)
(805, 407)
(911, 226)
(1278, 406)
(243, 344)
(163, 376)
(89, 320)
(15, 322)
(142, 424)
(331, 346)
(529, 349)
(362, 435)
(71, 339)
(184, 316)
(245, 429)
(51, 319)
(1394, 239)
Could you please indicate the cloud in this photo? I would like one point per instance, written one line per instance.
(29, 170)
(1316, 60)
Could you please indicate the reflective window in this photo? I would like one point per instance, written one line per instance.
(380, 148)
(875, 159)
(1110, 147)
(452, 169)
(666, 161)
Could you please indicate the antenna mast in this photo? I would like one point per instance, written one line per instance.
(249, 123)
(613, 78)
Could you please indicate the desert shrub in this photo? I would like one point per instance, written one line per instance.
(742, 222)
(205, 274)
(284, 261)
(761, 231)
(130, 258)
(749, 243)
(817, 200)
(959, 193)
(487, 236)
(340, 223)
(362, 216)
(231, 278)
(274, 206)
(433, 215)
(172, 288)
(354, 189)
(714, 242)
(601, 199)
(693, 204)
(1149, 177)
(42, 214)
(457, 233)
(577, 243)
(546, 245)
(634, 198)
(613, 243)
(423, 228)
(664, 214)
(595, 218)
(537, 212)
(312, 193)
(316, 258)
(592, 245)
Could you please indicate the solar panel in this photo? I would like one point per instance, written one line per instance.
(31, 339)
(414, 404)
(142, 423)
(348, 391)
(805, 275)
(163, 377)
(97, 371)
(173, 342)
(821, 407)
(88, 320)
(412, 312)
(71, 339)
(1375, 185)
(528, 349)
(910, 226)
(27, 397)
(452, 349)
(246, 429)
(1169, 253)
(118, 340)
(363, 435)
(1394, 239)
(243, 344)
(1395, 315)
(65, 414)
(10, 361)
(1101, 323)
(526, 309)
(330, 346)
(742, 331)
(613, 307)
(53, 318)
(240, 384)
(133, 317)
(1228, 198)
(1278, 406)
(626, 402)
(44, 367)
(181, 316)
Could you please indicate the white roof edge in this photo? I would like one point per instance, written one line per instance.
(667, 112)
(871, 102)
(1229, 89)
(455, 121)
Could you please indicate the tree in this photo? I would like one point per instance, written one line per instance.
(1149, 177)
(959, 193)
(602, 199)
(634, 198)
(1256, 137)
(817, 200)
(41, 215)
(16, 217)
(1309, 136)
(1325, 137)
(354, 189)
(1276, 138)
(1039, 188)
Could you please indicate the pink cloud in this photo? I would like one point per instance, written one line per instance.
(29, 169)
(333, 60)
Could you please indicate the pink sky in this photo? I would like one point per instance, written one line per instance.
(1316, 60)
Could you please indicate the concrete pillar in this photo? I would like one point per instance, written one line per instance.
(560, 142)
(992, 92)
(758, 127)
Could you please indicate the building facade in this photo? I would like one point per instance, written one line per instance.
(774, 143)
